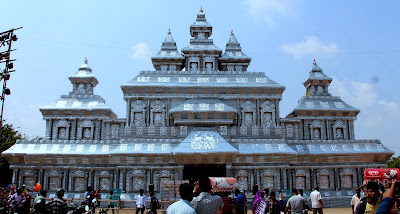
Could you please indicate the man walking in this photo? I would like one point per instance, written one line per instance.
(206, 203)
(59, 205)
(240, 202)
(183, 206)
(296, 203)
(141, 202)
(356, 199)
(273, 205)
(316, 202)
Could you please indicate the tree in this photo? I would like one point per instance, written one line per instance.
(8, 137)
(394, 162)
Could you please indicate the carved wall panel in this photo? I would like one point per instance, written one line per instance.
(79, 184)
(316, 128)
(158, 113)
(138, 113)
(29, 181)
(267, 113)
(339, 130)
(115, 131)
(54, 183)
(248, 114)
(300, 182)
(243, 179)
(61, 130)
(137, 180)
(85, 130)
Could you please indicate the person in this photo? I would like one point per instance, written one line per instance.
(111, 204)
(141, 202)
(206, 203)
(388, 200)
(296, 203)
(153, 203)
(59, 205)
(240, 202)
(89, 196)
(316, 201)
(39, 203)
(259, 204)
(370, 203)
(356, 199)
(27, 203)
(302, 194)
(228, 203)
(17, 201)
(183, 206)
(282, 200)
(273, 205)
(97, 196)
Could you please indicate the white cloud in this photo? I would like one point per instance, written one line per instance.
(141, 51)
(269, 10)
(311, 46)
(378, 119)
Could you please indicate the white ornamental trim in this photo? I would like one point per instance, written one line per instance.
(92, 148)
(67, 148)
(143, 79)
(310, 104)
(184, 79)
(219, 106)
(203, 79)
(138, 147)
(61, 104)
(188, 106)
(261, 80)
(123, 147)
(222, 80)
(105, 148)
(76, 104)
(163, 79)
(339, 105)
(93, 104)
(241, 80)
(324, 104)
(204, 106)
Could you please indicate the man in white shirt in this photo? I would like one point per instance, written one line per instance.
(356, 199)
(316, 202)
(141, 202)
(183, 206)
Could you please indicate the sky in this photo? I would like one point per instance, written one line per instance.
(354, 42)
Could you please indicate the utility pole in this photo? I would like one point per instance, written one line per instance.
(6, 39)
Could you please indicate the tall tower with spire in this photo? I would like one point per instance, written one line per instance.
(201, 55)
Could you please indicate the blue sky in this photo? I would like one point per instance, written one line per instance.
(354, 42)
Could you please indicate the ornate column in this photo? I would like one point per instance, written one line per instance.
(128, 111)
(278, 180)
(180, 172)
(258, 112)
(228, 170)
(15, 176)
(277, 112)
(48, 129)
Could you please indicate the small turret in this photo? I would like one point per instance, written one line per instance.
(318, 82)
(234, 59)
(168, 58)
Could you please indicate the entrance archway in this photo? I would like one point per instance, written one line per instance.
(193, 172)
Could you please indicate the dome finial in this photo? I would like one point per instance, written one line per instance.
(232, 32)
(201, 9)
(86, 61)
(314, 63)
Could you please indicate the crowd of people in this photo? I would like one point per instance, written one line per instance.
(199, 199)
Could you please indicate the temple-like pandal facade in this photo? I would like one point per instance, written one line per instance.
(199, 113)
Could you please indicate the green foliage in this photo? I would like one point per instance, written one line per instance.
(8, 137)
(394, 162)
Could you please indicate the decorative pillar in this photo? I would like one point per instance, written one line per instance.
(278, 180)
(258, 112)
(327, 129)
(15, 176)
(228, 170)
(128, 111)
(180, 172)
(277, 112)
(124, 181)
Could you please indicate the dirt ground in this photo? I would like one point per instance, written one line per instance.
(326, 211)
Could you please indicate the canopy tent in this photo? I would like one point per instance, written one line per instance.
(224, 184)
